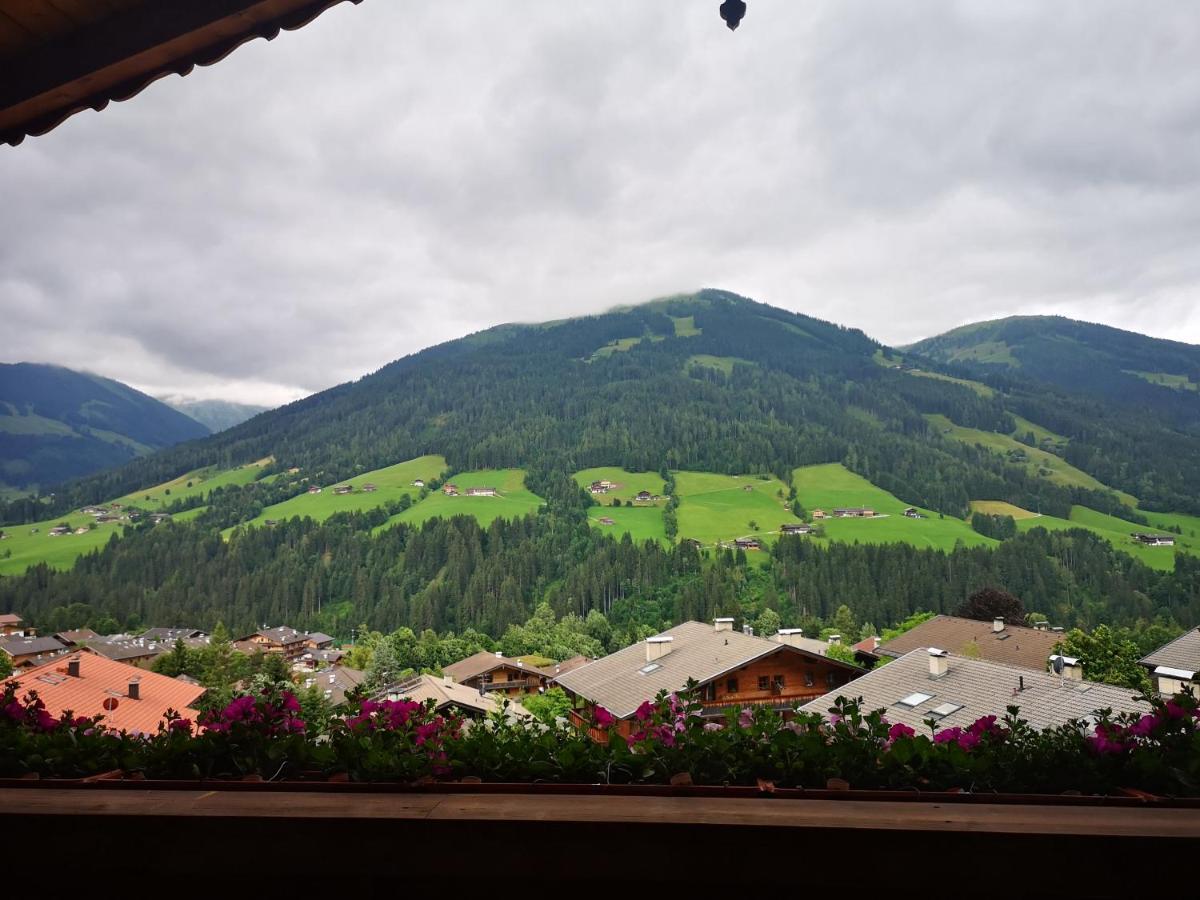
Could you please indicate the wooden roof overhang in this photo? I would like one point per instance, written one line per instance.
(58, 57)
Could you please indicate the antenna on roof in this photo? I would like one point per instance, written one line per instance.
(1057, 665)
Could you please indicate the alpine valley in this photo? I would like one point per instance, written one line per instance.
(693, 456)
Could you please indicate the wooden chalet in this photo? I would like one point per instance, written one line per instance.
(1174, 666)
(606, 520)
(644, 496)
(733, 670)
(495, 673)
(10, 624)
(1153, 540)
(314, 489)
(913, 513)
(344, 489)
(448, 696)
(748, 544)
(369, 488)
(818, 514)
(450, 490)
(481, 492)
(26, 652)
(288, 642)
(854, 512)
(793, 528)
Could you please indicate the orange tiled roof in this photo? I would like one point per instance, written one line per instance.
(100, 679)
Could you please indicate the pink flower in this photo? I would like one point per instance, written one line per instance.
(1143, 726)
(1107, 739)
(834, 719)
(900, 730)
(602, 717)
(1174, 710)
(948, 736)
(746, 717)
(713, 726)
(180, 725)
(290, 703)
(15, 711)
(644, 712)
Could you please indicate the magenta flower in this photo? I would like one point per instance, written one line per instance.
(644, 712)
(713, 726)
(834, 719)
(1174, 710)
(1143, 726)
(900, 730)
(602, 717)
(181, 725)
(746, 717)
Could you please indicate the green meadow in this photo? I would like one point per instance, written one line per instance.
(1001, 508)
(685, 326)
(715, 508)
(643, 523)
(829, 486)
(1059, 470)
(1024, 426)
(720, 363)
(392, 482)
(515, 500)
(977, 386)
(628, 484)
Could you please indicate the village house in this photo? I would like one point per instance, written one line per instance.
(598, 487)
(190, 636)
(645, 496)
(931, 683)
(1174, 665)
(606, 520)
(312, 660)
(818, 514)
(448, 696)
(335, 683)
(59, 530)
(288, 642)
(81, 530)
(748, 544)
(691, 542)
(733, 669)
(854, 512)
(793, 528)
(159, 518)
(912, 512)
(134, 651)
(419, 483)
(996, 641)
(344, 489)
(26, 652)
(130, 699)
(369, 488)
(93, 510)
(481, 492)
(317, 640)
(11, 623)
(107, 519)
(494, 672)
(450, 490)
(76, 637)
(314, 489)
(1153, 540)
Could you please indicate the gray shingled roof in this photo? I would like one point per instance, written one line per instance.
(1181, 653)
(1016, 645)
(21, 646)
(982, 688)
(619, 683)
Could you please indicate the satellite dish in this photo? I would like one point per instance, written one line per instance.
(1057, 665)
(110, 703)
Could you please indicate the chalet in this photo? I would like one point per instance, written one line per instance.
(494, 672)
(335, 683)
(450, 490)
(606, 520)
(344, 489)
(12, 624)
(1153, 540)
(913, 513)
(748, 488)
(598, 487)
(59, 530)
(159, 518)
(107, 518)
(92, 510)
(570, 665)
(1014, 645)
(793, 528)
(930, 683)
(130, 699)
(190, 636)
(448, 696)
(3, 535)
(692, 542)
(314, 489)
(124, 648)
(271, 523)
(733, 670)
(320, 659)
(818, 514)
(481, 492)
(748, 544)
(854, 512)
(419, 483)
(369, 488)
(1174, 665)
(26, 652)
(644, 496)
(81, 530)
(287, 642)
(76, 637)
(318, 640)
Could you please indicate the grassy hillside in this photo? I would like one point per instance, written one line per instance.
(642, 523)
(828, 486)
(628, 484)
(514, 500)
(392, 482)
(197, 483)
(1038, 461)
(716, 508)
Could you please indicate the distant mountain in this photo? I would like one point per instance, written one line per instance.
(1119, 366)
(215, 415)
(57, 424)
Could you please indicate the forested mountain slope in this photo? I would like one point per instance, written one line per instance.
(57, 424)
(1119, 366)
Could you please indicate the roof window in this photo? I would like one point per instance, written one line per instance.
(916, 698)
(946, 709)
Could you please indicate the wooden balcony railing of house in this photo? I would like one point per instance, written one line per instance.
(516, 684)
(912, 846)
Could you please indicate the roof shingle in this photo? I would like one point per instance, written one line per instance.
(1016, 645)
(1181, 653)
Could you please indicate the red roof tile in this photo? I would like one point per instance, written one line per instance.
(101, 679)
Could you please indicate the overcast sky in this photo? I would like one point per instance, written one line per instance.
(400, 173)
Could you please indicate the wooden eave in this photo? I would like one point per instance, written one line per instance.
(59, 57)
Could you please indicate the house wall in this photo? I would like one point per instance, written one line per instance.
(523, 681)
(804, 678)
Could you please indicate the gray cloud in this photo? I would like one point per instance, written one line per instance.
(393, 176)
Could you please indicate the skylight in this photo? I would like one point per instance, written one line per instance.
(946, 709)
(647, 669)
(916, 698)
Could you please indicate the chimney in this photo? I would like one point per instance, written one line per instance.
(939, 662)
(835, 639)
(1057, 629)
(499, 654)
(723, 624)
(135, 689)
(789, 636)
(997, 625)
(1071, 666)
(748, 629)
(73, 667)
(657, 647)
